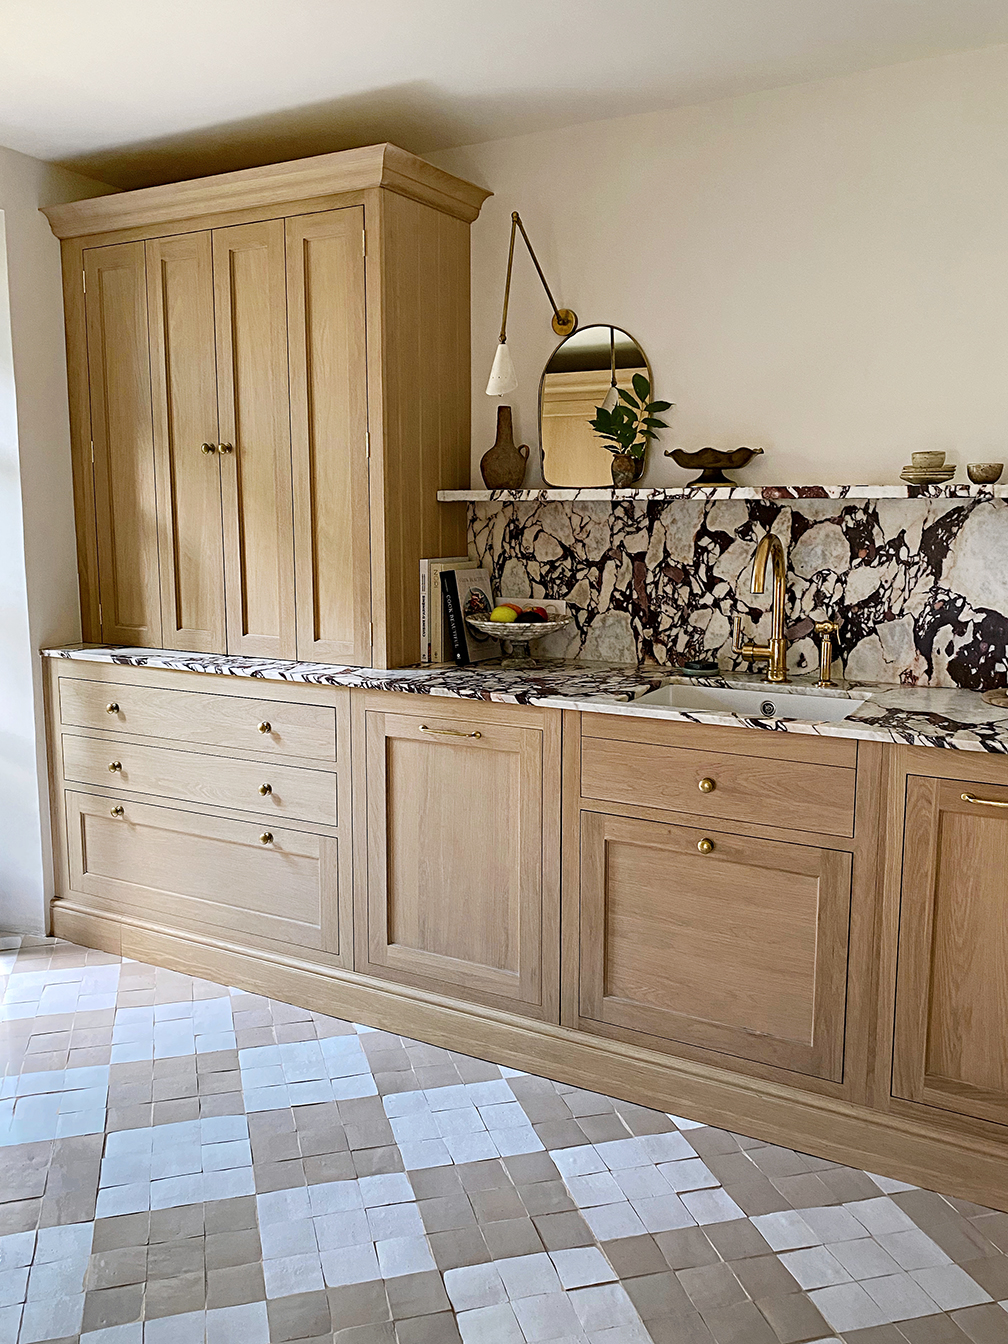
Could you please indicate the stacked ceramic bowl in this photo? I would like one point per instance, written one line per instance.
(927, 469)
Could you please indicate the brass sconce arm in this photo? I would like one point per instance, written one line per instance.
(564, 319)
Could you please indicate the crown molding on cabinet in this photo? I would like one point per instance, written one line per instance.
(303, 179)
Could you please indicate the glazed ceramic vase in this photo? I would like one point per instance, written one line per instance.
(503, 466)
(626, 470)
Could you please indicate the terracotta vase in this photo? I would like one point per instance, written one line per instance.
(503, 466)
(625, 470)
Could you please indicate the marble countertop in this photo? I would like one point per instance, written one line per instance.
(644, 493)
(911, 715)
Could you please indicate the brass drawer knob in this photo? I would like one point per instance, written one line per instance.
(705, 846)
(264, 789)
(111, 707)
(208, 448)
(707, 785)
(266, 838)
(114, 766)
(117, 812)
(225, 448)
(265, 726)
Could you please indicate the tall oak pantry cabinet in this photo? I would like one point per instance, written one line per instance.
(269, 383)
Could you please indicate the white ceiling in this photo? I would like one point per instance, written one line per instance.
(142, 91)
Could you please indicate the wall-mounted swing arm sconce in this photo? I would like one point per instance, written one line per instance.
(503, 378)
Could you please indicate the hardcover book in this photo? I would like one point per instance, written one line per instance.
(468, 592)
(434, 646)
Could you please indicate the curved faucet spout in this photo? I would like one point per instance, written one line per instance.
(770, 548)
(770, 545)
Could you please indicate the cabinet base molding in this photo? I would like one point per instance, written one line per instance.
(926, 1155)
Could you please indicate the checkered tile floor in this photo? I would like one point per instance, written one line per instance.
(182, 1162)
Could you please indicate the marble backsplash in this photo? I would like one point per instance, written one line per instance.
(920, 586)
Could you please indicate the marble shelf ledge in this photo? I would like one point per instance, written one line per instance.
(609, 495)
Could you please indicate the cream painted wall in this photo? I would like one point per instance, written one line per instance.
(821, 270)
(38, 561)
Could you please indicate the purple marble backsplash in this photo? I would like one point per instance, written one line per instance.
(920, 586)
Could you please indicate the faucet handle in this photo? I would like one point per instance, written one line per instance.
(827, 627)
(738, 641)
(826, 630)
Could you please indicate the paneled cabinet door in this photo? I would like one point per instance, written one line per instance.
(951, 1039)
(739, 946)
(455, 857)
(328, 381)
(184, 387)
(253, 404)
(115, 298)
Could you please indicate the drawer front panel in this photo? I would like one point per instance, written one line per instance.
(794, 795)
(192, 871)
(292, 794)
(172, 715)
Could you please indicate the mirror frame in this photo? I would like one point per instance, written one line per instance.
(542, 384)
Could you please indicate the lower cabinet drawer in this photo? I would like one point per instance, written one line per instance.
(794, 795)
(715, 941)
(274, 792)
(202, 873)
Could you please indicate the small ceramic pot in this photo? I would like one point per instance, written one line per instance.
(927, 460)
(984, 473)
(624, 470)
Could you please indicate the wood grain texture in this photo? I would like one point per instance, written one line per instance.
(771, 745)
(214, 781)
(928, 1153)
(254, 417)
(80, 439)
(951, 1023)
(329, 429)
(180, 296)
(123, 447)
(743, 950)
(792, 794)
(171, 714)
(292, 183)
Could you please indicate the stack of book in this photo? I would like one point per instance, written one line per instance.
(450, 590)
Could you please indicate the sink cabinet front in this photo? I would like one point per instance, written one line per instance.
(461, 874)
(740, 946)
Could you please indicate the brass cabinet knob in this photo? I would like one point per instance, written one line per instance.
(208, 448)
(111, 707)
(117, 812)
(705, 846)
(225, 448)
(266, 838)
(114, 766)
(706, 785)
(264, 789)
(265, 726)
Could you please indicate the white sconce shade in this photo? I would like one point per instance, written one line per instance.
(611, 399)
(503, 378)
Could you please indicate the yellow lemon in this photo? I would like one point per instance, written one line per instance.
(504, 614)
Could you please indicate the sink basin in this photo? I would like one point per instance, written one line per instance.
(773, 702)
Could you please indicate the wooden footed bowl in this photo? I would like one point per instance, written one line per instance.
(712, 462)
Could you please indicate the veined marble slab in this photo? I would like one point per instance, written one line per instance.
(607, 494)
(914, 716)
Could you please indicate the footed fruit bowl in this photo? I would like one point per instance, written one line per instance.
(519, 631)
(712, 462)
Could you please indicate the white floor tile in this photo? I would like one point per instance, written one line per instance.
(690, 1174)
(863, 1258)
(786, 1231)
(581, 1266)
(293, 1274)
(547, 1317)
(913, 1249)
(528, 1275)
(247, 1324)
(603, 1306)
(880, 1215)
(608, 1221)
(950, 1286)
(846, 1306)
(350, 1264)
(814, 1267)
(472, 1286)
(189, 1328)
(404, 1255)
(711, 1206)
(900, 1297)
(490, 1325)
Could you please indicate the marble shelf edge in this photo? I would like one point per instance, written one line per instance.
(608, 495)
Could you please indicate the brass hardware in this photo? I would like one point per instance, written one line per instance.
(208, 448)
(266, 838)
(770, 548)
(448, 732)
(117, 812)
(564, 320)
(225, 448)
(982, 802)
(265, 726)
(826, 630)
(264, 789)
(705, 846)
(114, 766)
(706, 785)
(112, 708)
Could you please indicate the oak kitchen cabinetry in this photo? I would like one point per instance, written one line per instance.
(269, 382)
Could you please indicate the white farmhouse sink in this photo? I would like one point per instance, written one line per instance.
(773, 702)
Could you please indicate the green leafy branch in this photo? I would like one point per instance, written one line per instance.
(633, 421)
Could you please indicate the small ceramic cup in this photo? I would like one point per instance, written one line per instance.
(928, 459)
(984, 473)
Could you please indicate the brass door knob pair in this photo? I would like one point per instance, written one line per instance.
(209, 448)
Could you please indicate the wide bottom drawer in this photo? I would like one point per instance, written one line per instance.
(197, 872)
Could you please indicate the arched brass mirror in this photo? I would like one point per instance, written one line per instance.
(574, 384)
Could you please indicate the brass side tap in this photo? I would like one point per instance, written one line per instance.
(776, 651)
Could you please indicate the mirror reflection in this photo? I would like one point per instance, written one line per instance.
(575, 381)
